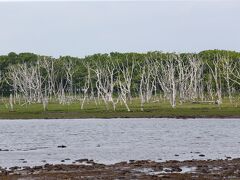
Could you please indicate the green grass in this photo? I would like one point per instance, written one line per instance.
(186, 110)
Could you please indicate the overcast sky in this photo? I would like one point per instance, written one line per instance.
(84, 28)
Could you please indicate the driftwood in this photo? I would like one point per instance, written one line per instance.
(205, 102)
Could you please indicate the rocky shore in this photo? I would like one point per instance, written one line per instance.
(141, 169)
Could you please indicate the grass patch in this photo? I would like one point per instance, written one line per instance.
(151, 110)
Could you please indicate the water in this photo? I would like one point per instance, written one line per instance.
(35, 142)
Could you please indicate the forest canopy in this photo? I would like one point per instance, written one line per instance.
(113, 78)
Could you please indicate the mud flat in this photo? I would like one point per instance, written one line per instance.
(141, 169)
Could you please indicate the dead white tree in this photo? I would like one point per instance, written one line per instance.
(61, 93)
(23, 78)
(11, 102)
(215, 71)
(235, 72)
(126, 70)
(185, 82)
(105, 82)
(49, 65)
(87, 84)
(45, 99)
(27, 80)
(124, 80)
(227, 69)
(147, 82)
(189, 72)
(165, 70)
(209, 86)
(69, 67)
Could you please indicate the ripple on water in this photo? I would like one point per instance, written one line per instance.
(110, 141)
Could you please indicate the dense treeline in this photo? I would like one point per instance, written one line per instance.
(208, 76)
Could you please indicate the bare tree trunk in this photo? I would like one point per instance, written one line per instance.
(215, 71)
(11, 102)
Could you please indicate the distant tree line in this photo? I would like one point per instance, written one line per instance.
(121, 77)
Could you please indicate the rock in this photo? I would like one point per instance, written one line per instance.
(167, 170)
(176, 169)
(176, 155)
(123, 163)
(47, 166)
(14, 168)
(158, 167)
(62, 160)
(201, 155)
(4, 149)
(62, 146)
(4, 172)
(67, 159)
(24, 162)
(204, 171)
(82, 160)
(37, 168)
(26, 167)
(98, 145)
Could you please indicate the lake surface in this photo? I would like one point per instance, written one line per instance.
(35, 142)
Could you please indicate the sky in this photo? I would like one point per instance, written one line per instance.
(78, 28)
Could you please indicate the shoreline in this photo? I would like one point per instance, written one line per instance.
(132, 117)
(133, 169)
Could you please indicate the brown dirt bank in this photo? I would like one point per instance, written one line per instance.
(144, 169)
